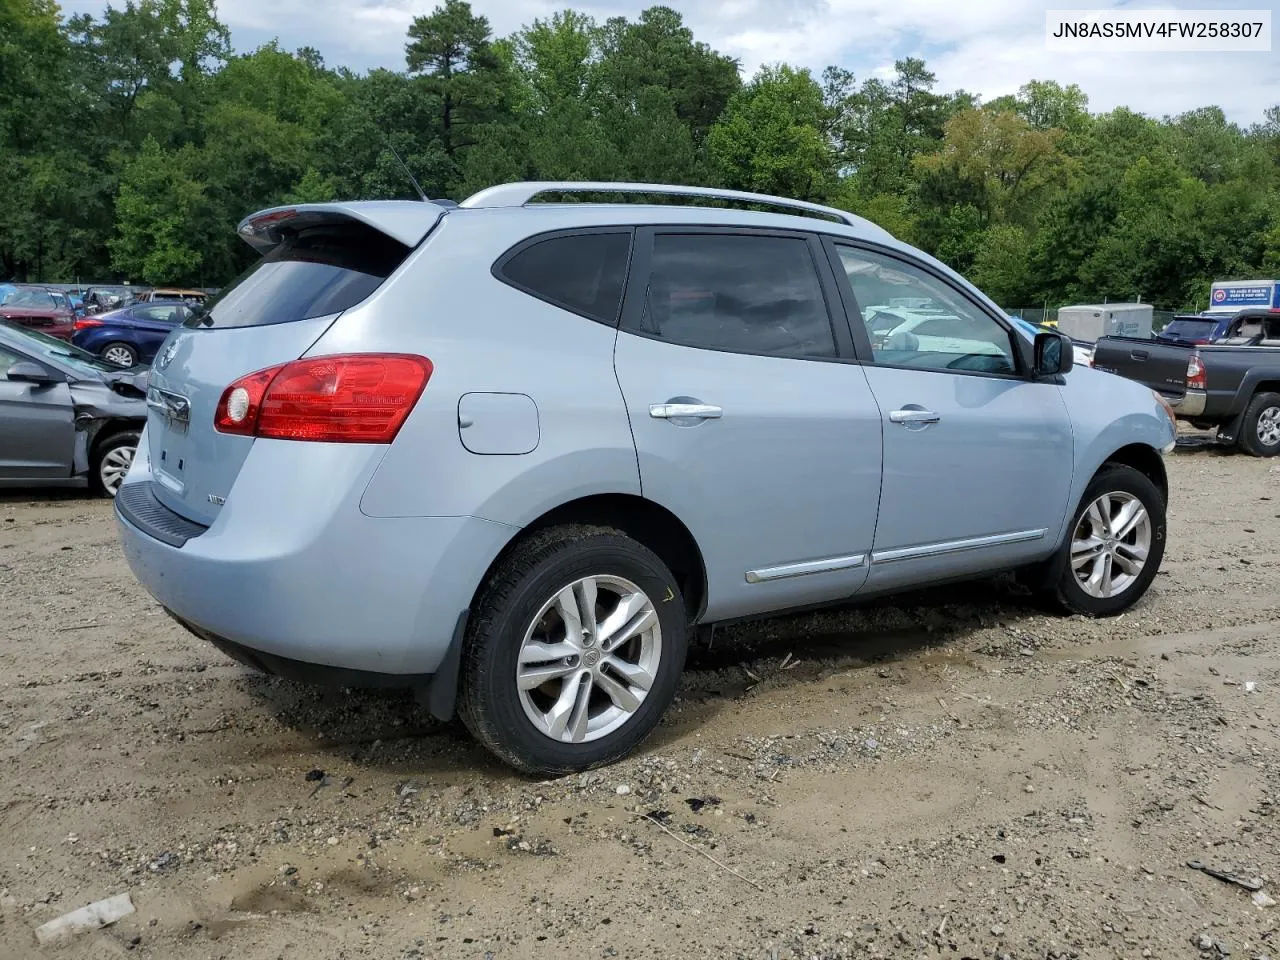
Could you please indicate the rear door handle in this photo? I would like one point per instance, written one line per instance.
(913, 416)
(676, 411)
(1139, 355)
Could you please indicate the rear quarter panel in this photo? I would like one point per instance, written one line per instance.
(1108, 413)
(1234, 374)
(482, 335)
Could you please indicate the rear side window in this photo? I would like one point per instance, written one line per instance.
(315, 272)
(162, 313)
(583, 273)
(738, 293)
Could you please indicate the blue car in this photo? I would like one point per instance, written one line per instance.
(131, 335)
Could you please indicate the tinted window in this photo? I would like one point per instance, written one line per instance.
(584, 273)
(1190, 329)
(314, 272)
(747, 294)
(941, 331)
(162, 312)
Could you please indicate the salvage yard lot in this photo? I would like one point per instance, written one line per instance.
(948, 774)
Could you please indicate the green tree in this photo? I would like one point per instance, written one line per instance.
(658, 50)
(771, 140)
(452, 48)
(159, 199)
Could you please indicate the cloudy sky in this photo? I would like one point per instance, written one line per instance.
(990, 47)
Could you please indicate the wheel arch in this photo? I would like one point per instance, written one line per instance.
(1143, 458)
(1254, 383)
(639, 518)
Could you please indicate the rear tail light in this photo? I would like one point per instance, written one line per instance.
(83, 323)
(1195, 373)
(350, 398)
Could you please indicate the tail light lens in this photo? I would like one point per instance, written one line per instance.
(350, 398)
(1195, 373)
(83, 323)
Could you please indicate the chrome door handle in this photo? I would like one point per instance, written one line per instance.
(913, 416)
(675, 411)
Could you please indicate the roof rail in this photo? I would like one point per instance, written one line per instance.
(519, 194)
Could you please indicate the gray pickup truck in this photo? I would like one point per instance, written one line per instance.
(1232, 383)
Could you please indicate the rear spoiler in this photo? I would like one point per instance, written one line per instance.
(407, 221)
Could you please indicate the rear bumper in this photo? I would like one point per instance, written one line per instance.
(285, 583)
(1190, 404)
(317, 674)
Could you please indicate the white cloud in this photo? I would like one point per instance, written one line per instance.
(990, 48)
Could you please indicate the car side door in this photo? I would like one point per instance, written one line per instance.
(37, 423)
(753, 421)
(978, 455)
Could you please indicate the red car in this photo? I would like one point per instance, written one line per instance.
(38, 308)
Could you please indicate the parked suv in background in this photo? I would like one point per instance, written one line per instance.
(513, 452)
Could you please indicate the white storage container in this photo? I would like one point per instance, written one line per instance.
(1106, 320)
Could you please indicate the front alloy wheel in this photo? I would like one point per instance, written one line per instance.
(1111, 544)
(1114, 548)
(112, 458)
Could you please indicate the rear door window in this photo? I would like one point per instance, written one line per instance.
(741, 293)
(316, 271)
(583, 273)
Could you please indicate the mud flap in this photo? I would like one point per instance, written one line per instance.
(440, 695)
(1229, 431)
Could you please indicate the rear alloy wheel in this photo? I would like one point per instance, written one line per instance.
(120, 354)
(589, 659)
(112, 459)
(1260, 426)
(577, 644)
(1115, 545)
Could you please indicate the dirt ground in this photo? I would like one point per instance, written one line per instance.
(952, 774)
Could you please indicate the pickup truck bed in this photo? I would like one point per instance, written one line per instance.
(1233, 388)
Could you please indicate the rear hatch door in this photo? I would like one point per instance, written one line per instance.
(318, 260)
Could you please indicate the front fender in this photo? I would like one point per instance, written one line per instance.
(1109, 413)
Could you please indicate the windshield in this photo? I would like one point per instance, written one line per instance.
(1190, 329)
(40, 299)
(52, 348)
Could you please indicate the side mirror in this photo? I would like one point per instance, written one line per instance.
(24, 371)
(1054, 354)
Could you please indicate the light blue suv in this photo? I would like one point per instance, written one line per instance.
(510, 453)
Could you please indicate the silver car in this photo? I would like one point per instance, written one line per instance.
(67, 418)
(510, 453)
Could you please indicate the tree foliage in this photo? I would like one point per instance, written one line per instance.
(132, 143)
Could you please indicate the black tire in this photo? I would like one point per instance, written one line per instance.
(1250, 439)
(102, 456)
(1063, 589)
(489, 702)
(123, 348)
